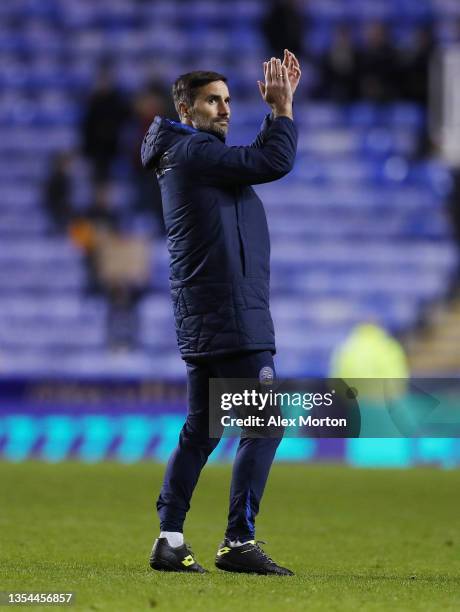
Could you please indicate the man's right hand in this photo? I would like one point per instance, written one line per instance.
(276, 91)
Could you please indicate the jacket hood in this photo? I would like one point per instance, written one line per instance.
(160, 136)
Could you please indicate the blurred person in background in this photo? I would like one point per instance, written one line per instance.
(101, 213)
(415, 65)
(219, 269)
(98, 219)
(339, 67)
(104, 119)
(378, 65)
(122, 323)
(122, 267)
(118, 266)
(374, 364)
(149, 102)
(58, 192)
(284, 25)
(415, 79)
(369, 351)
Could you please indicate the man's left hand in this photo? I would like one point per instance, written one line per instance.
(293, 69)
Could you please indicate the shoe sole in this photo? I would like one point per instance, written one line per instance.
(239, 570)
(166, 567)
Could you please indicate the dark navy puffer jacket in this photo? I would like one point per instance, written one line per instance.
(217, 231)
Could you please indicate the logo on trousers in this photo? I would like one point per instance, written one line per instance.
(266, 375)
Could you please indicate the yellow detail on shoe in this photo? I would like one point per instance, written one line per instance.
(223, 551)
(189, 560)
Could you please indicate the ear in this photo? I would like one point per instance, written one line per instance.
(184, 111)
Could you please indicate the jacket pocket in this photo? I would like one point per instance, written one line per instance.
(205, 317)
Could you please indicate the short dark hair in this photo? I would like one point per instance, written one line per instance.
(186, 87)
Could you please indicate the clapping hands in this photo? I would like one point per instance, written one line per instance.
(293, 69)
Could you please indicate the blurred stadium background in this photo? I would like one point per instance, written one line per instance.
(365, 228)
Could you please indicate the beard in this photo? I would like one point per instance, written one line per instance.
(212, 126)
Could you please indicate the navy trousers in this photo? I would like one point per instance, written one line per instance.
(253, 460)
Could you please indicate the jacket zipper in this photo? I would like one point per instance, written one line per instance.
(239, 216)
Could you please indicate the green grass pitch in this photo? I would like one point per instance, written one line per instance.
(357, 539)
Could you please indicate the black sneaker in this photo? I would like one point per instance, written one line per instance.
(248, 559)
(173, 559)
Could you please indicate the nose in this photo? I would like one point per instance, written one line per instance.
(224, 109)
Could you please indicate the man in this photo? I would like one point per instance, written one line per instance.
(219, 247)
(106, 114)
